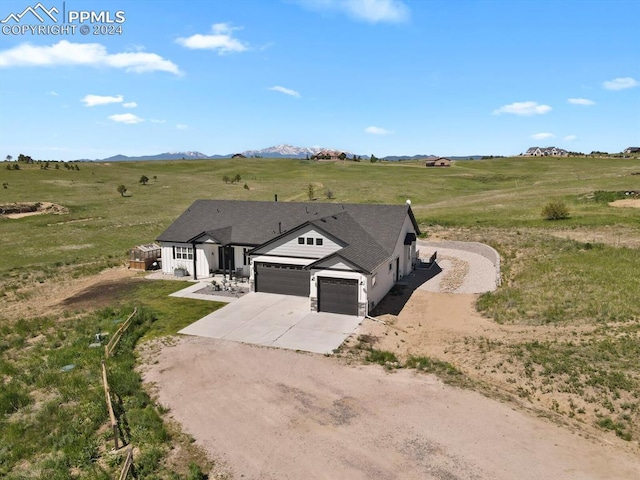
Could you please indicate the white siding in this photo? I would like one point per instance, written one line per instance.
(336, 263)
(406, 264)
(385, 278)
(289, 246)
(169, 263)
(205, 259)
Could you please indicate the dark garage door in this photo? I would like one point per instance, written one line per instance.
(338, 295)
(283, 279)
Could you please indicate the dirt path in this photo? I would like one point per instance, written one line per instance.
(278, 414)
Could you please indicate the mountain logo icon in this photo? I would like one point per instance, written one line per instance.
(38, 11)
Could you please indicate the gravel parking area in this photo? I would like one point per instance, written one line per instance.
(277, 414)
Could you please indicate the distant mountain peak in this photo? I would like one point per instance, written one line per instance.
(285, 150)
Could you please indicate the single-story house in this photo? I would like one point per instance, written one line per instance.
(344, 257)
(439, 162)
(329, 155)
(546, 152)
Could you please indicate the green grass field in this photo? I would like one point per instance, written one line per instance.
(102, 224)
(549, 280)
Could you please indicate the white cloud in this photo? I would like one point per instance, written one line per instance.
(53, 93)
(126, 118)
(93, 100)
(221, 40)
(581, 101)
(85, 54)
(182, 126)
(155, 120)
(570, 138)
(620, 83)
(523, 109)
(130, 105)
(286, 91)
(377, 131)
(542, 136)
(372, 11)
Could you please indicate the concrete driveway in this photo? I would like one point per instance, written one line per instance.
(276, 321)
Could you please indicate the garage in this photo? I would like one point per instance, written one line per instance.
(338, 295)
(281, 278)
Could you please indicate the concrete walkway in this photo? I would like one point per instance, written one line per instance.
(190, 292)
(272, 320)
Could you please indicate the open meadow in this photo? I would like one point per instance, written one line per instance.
(565, 340)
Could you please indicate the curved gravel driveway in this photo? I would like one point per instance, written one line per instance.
(467, 267)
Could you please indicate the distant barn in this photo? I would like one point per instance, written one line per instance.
(439, 162)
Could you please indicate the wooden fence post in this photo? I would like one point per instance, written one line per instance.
(112, 417)
(128, 462)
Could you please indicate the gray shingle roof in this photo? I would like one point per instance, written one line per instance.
(371, 231)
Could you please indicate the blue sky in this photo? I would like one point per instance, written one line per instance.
(388, 77)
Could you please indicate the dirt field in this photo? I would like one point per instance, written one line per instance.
(627, 202)
(279, 414)
(28, 209)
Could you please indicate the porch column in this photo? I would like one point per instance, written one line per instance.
(195, 263)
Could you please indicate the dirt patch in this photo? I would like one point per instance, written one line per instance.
(101, 294)
(278, 414)
(26, 209)
(620, 236)
(627, 202)
(56, 296)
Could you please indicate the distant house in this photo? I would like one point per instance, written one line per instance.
(238, 155)
(329, 155)
(631, 150)
(546, 152)
(439, 162)
(344, 257)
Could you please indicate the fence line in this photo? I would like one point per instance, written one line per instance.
(111, 345)
(128, 463)
(107, 394)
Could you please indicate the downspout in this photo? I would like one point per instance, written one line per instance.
(195, 264)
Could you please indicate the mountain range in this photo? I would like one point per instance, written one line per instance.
(277, 151)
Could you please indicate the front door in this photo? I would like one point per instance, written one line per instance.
(397, 269)
(225, 256)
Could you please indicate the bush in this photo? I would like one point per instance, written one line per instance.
(555, 211)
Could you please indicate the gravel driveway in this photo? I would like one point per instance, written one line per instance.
(467, 267)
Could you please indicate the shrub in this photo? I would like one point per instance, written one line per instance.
(381, 356)
(555, 210)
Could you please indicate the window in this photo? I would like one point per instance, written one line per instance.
(309, 241)
(245, 257)
(184, 253)
(318, 241)
(300, 240)
(374, 280)
(390, 266)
